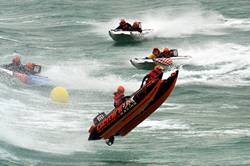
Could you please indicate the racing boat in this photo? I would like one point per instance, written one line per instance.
(26, 78)
(148, 63)
(128, 36)
(121, 120)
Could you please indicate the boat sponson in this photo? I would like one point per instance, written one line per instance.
(142, 98)
(164, 91)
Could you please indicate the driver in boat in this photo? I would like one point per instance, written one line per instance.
(29, 68)
(166, 53)
(156, 73)
(119, 97)
(155, 53)
(136, 27)
(17, 66)
(124, 26)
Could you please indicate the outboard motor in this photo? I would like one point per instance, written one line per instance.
(99, 118)
(37, 68)
(173, 53)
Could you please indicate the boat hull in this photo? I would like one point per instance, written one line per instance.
(162, 94)
(126, 117)
(149, 64)
(25, 78)
(128, 36)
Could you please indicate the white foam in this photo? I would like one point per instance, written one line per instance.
(81, 75)
(180, 24)
(216, 63)
(166, 24)
(50, 129)
(243, 24)
(217, 133)
(163, 125)
(184, 23)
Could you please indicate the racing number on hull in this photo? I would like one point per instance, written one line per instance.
(126, 106)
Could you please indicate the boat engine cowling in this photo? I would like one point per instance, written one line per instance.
(173, 53)
(99, 118)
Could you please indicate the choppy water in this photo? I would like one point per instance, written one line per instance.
(205, 121)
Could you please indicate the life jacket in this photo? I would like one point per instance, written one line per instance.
(118, 99)
(126, 27)
(151, 76)
(151, 56)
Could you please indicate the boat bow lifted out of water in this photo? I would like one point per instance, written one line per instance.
(121, 120)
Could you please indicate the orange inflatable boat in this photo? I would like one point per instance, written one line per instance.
(120, 121)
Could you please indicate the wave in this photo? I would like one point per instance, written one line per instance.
(47, 129)
(223, 64)
(212, 63)
(163, 125)
(182, 23)
(218, 133)
(243, 24)
(9, 39)
(87, 75)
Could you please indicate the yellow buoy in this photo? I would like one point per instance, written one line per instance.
(59, 94)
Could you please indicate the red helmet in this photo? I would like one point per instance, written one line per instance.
(17, 59)
(29, 65)
(158, 68)
(122, 22)
(166, 51)
(156, 49)
(136, 24)
(120, 89)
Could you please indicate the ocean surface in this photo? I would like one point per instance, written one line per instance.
(205, 121)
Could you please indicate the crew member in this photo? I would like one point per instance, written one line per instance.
(15, 65)
(119, 96)
(156, 73)
(29, 67)
(155, 53)
(124, 26)
(16, 61)
(136, 27)
(164, 54)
